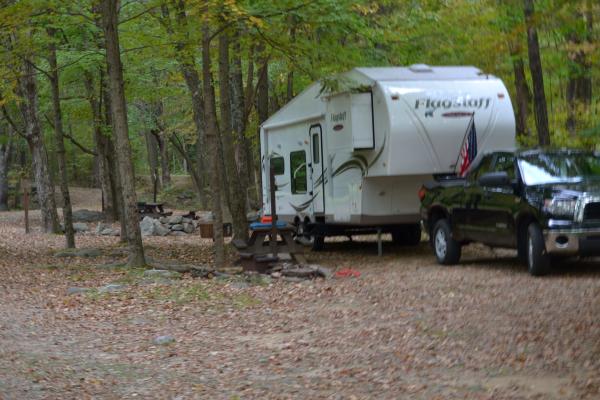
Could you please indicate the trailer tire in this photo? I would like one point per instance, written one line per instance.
(446, 249)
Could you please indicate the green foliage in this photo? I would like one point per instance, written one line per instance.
(313, 39)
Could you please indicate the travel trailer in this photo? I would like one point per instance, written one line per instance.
(349, 156)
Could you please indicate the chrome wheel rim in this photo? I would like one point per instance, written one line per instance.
(440, 244)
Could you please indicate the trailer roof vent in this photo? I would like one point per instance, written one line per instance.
(420, 68)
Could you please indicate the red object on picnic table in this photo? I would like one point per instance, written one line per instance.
(347, 273)
(266, 219)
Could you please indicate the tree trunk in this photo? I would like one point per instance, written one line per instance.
(237, 194)
(212, 131)
(523, 95)
(121, 133)
(238, 117)
(100, 141)
(163, 149)
(537, 76)
(5, 160)
(39, 158)
(60, 144)
(152, 150)
(262, 109)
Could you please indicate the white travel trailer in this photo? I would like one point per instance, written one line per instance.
(353, 159)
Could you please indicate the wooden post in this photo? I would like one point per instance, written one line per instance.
(273, 240)
(26, 186)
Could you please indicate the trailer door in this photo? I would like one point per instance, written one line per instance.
(316, 169)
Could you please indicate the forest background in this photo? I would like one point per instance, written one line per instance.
(95, 92)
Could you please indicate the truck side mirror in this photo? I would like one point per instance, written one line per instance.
(494, 179)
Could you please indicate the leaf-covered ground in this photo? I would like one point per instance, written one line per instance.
(407, 328)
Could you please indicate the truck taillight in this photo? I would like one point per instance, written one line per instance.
(422, 193)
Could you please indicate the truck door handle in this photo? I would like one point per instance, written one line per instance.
(310, 193)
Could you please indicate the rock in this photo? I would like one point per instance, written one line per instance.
(177, 233)
(160, 229)
(147, 226)
(102, 226)
(111, 288)
(175, 219)
(87, 216)
(300, 272)
(80, 227)
(185, 220)
(163, 340)
(108, 232)
(177, 227)
(323, 271)
(77, 290)
(188, 228)
(79, 253)
(116, 232)
(195, 224)
(162, 273)
(163, 220)
(276, 275)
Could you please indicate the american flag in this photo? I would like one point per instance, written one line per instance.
(468, 152)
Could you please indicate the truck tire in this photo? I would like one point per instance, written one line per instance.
(446, 249)
(538, 261)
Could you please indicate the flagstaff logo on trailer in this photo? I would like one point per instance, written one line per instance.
(338, 117)
(431, 105)
(341, 116)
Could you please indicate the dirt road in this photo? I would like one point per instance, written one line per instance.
(406, 328)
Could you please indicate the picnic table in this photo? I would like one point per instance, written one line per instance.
(154, 210)
(258, 250)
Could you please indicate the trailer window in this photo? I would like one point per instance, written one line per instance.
(298, 171)
(315, 149)
(278, 165)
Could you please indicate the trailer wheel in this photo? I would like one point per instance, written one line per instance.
(316, 242)
(446, 249)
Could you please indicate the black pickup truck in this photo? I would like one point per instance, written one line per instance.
(544, 203)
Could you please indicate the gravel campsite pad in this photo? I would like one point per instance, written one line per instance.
(86, 327)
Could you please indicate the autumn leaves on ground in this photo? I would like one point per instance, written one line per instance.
(406, 328)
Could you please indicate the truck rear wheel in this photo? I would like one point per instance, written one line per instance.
(446, 249)
(538, 261)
